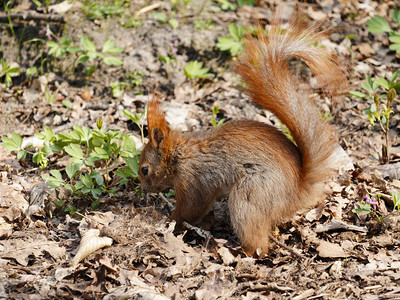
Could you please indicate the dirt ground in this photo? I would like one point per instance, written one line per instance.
(328, 252)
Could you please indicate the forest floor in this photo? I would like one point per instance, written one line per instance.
(328, 252)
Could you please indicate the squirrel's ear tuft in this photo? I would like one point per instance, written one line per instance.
(157, 125)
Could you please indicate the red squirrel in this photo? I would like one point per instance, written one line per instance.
(264, 175)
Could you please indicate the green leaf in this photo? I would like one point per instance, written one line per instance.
(87, 44)
(67, 103)
(160, 17)
(72, 169)
(83, 58)
(366, 111)
(228, 44)
(84, 132)
(56, 174)
(361, 211)
(12, 144)
(368, 85)
(74, 49)
(74, 150)
(382, 82)
(194, 69)
(101, 153)
(55, 179)
(128, 144)
(358, 94)
(395, 39)
(96, 193)
(396, 200)
(237, 32)
(246, 2)
(86, 180)
(133, 166)
(173, 23)
(378, 24)
(21, 155)
(394, 76)
(395, 47)
(97, 177)
(113, 61)
(396, 16)
(108, 45)
(31, 71)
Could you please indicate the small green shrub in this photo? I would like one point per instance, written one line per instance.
(379, 24)
(369, 205)
(215, 112)
(97, 10)
(194, 70)
(7, 72)
(100, 159)
(380, 111)
(234, 42)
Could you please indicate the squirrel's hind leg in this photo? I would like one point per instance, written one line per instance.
(252, 207)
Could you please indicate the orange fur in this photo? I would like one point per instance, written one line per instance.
(265, 176)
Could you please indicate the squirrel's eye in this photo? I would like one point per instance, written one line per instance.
(145, 171)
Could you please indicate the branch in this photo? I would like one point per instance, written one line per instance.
(31, 15)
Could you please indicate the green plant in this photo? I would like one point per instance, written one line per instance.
(98, 10)
(7, 10)
(379, 111)
(327, 116)
(234, 42)
(137, 119)
(50, 97)
(215, 112)
(132, 23)
(30, 72)
(246, 2)
(95, 158)
(8, 71)
(85, 52)
(224, 5)
(163, 18)
(169, 59)
(203, 24)
(59, 49)
(134, 78)
(379, 24)
(194, 70)
(370, 203)
(109, 47)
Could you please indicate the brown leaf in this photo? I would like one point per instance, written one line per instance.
(327, 249)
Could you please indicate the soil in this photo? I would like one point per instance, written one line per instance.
(328, 252)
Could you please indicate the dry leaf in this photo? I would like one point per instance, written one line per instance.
(327, 249)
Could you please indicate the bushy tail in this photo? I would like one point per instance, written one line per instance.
(264, 68)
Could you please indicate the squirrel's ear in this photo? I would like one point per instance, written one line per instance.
(158, 127)
(157, 136)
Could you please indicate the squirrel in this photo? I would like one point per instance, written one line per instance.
(265, 176)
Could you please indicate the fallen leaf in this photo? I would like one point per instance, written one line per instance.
(327, 249)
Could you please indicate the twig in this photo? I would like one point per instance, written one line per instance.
(28, 171)
(271, 286)
(147, 9)
(286, 247)
(170, 205)
(31, 15)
